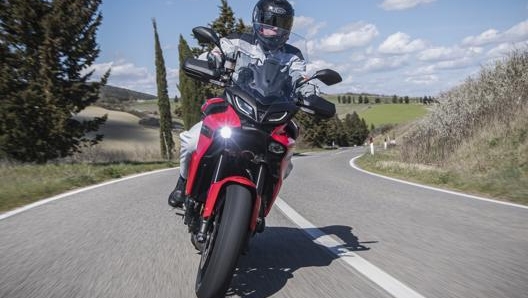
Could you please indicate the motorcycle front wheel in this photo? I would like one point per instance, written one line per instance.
(224, 243)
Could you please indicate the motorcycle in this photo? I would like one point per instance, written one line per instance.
(245, 145)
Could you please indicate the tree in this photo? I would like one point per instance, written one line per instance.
(166, 141)
(191, 99)
(225, 24)
(47, 48)
(194, 93)
(355, 128)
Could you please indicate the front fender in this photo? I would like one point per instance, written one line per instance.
(217, 187)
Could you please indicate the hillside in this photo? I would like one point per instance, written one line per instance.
(124, 138)
(112, 94)
(475, 140)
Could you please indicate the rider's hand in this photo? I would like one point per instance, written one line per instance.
(214, 59)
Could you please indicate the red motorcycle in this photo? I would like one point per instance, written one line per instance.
(245, 145)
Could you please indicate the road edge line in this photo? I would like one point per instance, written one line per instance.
(76, 191)
(353, 165)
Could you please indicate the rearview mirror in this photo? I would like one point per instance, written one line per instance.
(206, 35)
(327, 76)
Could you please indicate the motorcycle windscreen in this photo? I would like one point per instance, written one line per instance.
(268, 83)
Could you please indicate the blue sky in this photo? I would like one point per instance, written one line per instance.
(403, 47)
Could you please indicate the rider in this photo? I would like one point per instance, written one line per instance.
(272, 23)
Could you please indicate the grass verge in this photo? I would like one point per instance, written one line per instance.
(492, 185)
(24, 184)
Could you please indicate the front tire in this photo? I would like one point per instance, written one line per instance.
(225, 242)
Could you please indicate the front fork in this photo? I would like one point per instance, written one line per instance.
(199, 226)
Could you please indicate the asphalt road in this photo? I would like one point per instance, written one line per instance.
(122, 240)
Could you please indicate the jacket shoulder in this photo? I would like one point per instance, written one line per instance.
(249, 38)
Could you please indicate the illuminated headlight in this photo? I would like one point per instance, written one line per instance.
(276, 148)
(226, 132)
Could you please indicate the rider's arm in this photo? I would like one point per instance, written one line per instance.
(215, 55)
(298, 70)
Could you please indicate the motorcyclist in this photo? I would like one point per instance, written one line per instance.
(272, 23)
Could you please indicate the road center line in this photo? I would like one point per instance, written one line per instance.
(376, 275)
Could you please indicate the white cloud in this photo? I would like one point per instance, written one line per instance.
(402, 4)
(401, 43)
(128, 75)
(455, 64)
(423, 79)
(383, 64)
(306, 26)
(518, 32)
(316, 65)
(448, 53)
(503, 49)
(423, 70)
(355, 35)
(486, 37)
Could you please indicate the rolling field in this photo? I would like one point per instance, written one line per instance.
(124, 138)
(392, 113)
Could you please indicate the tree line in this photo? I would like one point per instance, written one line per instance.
(368, 99)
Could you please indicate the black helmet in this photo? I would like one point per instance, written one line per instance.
(274, 15)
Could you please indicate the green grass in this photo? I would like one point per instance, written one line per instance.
(392, 113)
(28, 183)
(505, 182)
(380, 113)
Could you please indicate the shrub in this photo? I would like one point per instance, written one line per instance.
(498, 94)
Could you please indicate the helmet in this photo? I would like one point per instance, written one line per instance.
(272, 22)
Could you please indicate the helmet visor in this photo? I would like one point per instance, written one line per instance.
(269, 31)
(275, 20)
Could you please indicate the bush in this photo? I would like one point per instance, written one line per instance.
(498, 94)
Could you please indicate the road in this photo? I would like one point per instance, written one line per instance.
(122, 240)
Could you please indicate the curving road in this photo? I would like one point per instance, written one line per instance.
(338, 232)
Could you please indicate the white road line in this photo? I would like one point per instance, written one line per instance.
(67, 194)
(353, 165)
(376, 275)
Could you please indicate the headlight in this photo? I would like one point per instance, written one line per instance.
(244, 107)
(226, 132)
(276, 148)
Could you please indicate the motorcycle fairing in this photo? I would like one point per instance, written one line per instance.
(211, 123)
(217, 187)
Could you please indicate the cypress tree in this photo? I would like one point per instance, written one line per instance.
(46, 48)
(191, 99)
(166, 141)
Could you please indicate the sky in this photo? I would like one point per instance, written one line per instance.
(403, 47)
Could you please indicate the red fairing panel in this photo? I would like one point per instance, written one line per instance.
(280, 136)
(214, 192)
(213, 122)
